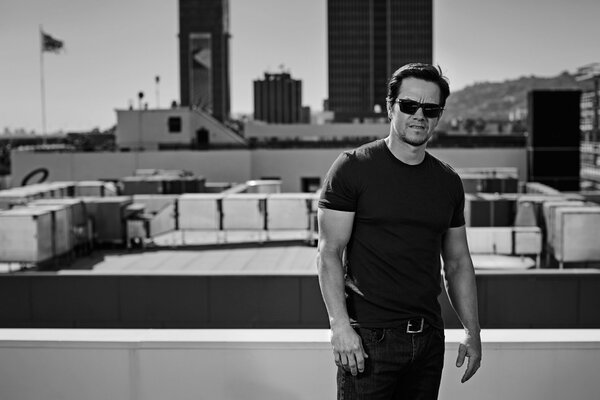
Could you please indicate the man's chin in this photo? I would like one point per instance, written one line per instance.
(416, 142)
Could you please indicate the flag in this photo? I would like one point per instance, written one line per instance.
(51, 44)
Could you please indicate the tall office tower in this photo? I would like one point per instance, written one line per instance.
(204, 55)
(367, 41)
(278, 99)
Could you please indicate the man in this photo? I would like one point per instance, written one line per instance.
(387, 211)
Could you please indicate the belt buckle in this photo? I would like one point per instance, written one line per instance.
(413, 323)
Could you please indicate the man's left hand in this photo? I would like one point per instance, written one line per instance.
(470, 347)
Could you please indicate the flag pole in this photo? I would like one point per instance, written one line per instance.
(43, 86)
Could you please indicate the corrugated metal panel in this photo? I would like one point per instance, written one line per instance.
(200, 211)
(62, 234)
(244, 211)
(77, 214)
(575, 236)
(289, 210)
(490, 240)
(26, 235)
(108, 218)
(527, 240)
(155, 202)
(548, 211)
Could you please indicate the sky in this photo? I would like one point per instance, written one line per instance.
(115, 49)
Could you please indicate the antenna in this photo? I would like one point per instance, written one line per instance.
(157, 81)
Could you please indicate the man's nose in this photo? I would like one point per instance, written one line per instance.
(419, 113)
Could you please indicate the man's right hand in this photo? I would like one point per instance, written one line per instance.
(347, 349)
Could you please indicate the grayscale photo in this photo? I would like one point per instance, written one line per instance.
(317, 199)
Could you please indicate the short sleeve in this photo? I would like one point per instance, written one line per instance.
(339, 188)
(458, 216)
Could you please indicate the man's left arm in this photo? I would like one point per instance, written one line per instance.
(462, 291)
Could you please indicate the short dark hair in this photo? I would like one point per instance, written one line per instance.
(427, 72)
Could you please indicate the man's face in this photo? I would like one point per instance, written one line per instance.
(415, 129)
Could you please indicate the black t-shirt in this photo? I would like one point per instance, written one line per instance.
(402, 211)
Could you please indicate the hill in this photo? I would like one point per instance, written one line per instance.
(495, 100)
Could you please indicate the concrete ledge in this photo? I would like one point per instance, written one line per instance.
(65, 364)
(257, 337)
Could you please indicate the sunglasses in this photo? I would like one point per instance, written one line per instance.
(410, 107)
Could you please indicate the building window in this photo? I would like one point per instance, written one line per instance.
(174, 124)
(270, 178)
(310, 184)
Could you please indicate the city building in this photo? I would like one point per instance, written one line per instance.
(171, 128)
(590, 134)
(278, 99)
(259, 132)
(367, 41)
(590, 149)
(204, 55)
(588, 113)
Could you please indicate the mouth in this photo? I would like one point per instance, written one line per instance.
(416, 126)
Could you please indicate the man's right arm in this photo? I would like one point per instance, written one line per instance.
(335, 228)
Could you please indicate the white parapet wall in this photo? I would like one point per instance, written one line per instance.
(63, 364)
(288, 165)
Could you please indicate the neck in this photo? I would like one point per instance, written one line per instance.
(408, 154)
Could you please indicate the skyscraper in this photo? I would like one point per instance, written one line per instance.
(278, 99)
(204, 55)
(367, 41)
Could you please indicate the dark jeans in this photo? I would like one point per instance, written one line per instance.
(401, 365)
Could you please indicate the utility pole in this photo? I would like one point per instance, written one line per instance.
(157, 81)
